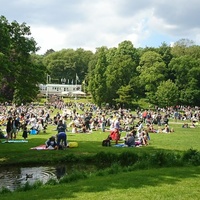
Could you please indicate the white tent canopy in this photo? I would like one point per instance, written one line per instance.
(64, 93)
(78, 93)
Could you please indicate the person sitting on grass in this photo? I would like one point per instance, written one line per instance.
(74, 128)
(151, 129)
(192, 125)
(185, 125)
(51, 143)
(130, 140)
(83, 128)
(167, 129)
(145, 137)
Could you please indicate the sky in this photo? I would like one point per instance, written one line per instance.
(89, 24)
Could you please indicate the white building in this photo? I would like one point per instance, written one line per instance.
(58, 89)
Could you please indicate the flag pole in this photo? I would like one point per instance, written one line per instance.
(76, 84)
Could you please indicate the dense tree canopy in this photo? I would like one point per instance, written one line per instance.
(165, 75)
(97, 79)
(113, 70)
(167, 94)
(152, 71)
(66, 64)
(19, 73)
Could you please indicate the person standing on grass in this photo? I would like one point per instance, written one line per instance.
(15, 127)
(176, 115)
(87, 122)
(61, 136)
(103, 122)
(25, 132)
(115, 134)
(9, 129)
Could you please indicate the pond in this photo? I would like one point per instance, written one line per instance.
(13, 177)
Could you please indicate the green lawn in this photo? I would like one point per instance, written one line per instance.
(180, 140)
(160, 183)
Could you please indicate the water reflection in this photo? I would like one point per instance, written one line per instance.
(13, 177)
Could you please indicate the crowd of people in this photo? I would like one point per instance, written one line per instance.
(87, 118)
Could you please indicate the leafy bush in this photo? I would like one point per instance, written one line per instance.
(114, 169)
(158, 159)
(27, 186)
(77, 175)
(191, 156)
(103, 159)
(5, 190)
(164, 159)
(52, 181)
(100, 173)
(127, 158)
(71, 158)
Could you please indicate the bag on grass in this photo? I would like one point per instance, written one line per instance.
(106, 143)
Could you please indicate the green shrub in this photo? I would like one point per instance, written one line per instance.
(105, 159)
(24, 187)
(27, 186)
(37, 185)
(174, 160)
(71, 158)
(127, 158)
(5, 190)
(52, 181)
(114, 169)
(164, 159)
(141, 164)
(191, 157)
(100, 173)
(77, 175)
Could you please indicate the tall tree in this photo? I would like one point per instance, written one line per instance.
(61, 64)
(120, 71)
(167, 94)
(16, 47)
(97, 79)
(82, 59)
(152, 71)
(125, 96)
(165, 51)
(67, 63)
(187, 72)
(26, 89)
(180, 47)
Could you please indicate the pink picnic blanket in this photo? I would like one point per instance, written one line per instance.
(40, 147)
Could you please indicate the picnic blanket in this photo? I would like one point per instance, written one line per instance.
(15, 141)
(40, 147)
(120, 145)
(43, 146)
(137, 144)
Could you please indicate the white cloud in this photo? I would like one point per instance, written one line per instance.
(58, 24)
(160, 24)
(48, 38)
